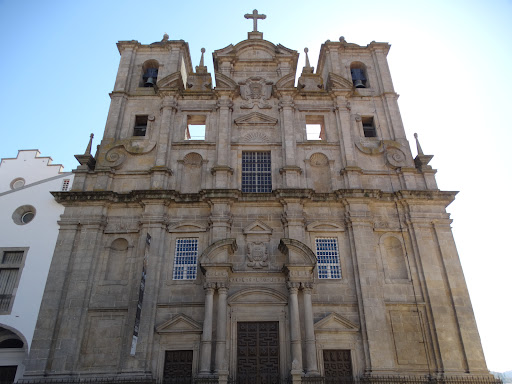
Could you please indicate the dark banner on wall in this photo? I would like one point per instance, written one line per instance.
(141, 296)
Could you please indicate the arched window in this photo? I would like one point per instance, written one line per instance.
(359, 75)
(149, 73)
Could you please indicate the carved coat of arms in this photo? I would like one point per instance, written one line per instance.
(255, 91)
(257, 254)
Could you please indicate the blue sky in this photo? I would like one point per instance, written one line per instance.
(450, 61)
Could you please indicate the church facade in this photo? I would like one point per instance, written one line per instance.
(257, 230)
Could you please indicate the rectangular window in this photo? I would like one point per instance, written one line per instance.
(315, 129)
(185, 259)
(369, 127)
(256, 172)
(196, 127)
(11, 263)
(141, 125)
(65, 185)
(328, 260)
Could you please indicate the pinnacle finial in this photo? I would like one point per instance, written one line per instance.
(418, 146)
(308, 65)
(201, 63)
(88, 149)
(166, 37)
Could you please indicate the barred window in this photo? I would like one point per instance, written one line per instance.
(185, 259)
(328, 260)
(256, 172)
(65, 184)
(11, 263)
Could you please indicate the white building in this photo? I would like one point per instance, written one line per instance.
(28, 220)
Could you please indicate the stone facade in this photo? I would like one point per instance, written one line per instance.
(337, 244)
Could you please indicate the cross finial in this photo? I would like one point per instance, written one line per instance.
(255, 16)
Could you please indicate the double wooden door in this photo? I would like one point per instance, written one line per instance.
(258, 352)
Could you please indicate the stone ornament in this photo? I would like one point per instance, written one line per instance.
(193, 159)
(318, 160)
(257, 254)
(395, 157)
(255, 137)
(117, 155)
(256, 91)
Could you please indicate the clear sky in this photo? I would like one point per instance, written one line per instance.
(450, 60)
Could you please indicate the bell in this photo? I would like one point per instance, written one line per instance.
(359, 84)
(149, 82)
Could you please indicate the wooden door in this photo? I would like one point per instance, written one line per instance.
(178, 367)
(337, 364)
(258, 352)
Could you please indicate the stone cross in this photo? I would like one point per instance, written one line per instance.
(254, 16)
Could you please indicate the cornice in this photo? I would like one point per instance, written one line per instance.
(344, 196)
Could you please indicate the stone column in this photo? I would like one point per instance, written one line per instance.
(296, 342)
(220, 350)
(311, 363)
(206, 339)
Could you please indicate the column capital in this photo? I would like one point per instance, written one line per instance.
(293, 287)
(209, 287)
(223, 287)
(307, 286)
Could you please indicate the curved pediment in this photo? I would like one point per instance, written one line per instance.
(223, 81)
(264, 296)
(324, 226)
(298, 253)
(287, 81)
(335, 81)
(187, 226)
(218, 252)
(173, 81)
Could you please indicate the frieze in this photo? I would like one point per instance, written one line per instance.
(257, 279)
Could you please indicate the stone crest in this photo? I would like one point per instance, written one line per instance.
(255, 91)
(257, 254)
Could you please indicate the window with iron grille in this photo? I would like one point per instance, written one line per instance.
(328, 259)
(256, 172)
(185, 259)
(11, 263)
(65, 185)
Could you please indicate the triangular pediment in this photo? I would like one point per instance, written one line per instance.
(180, 324)
(257, 227)
(255, 119)
(335, 323)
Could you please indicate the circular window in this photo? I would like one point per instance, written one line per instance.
(18, 183)
(27, 217)
(23, 215)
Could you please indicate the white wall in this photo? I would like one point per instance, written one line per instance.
(39, 236)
